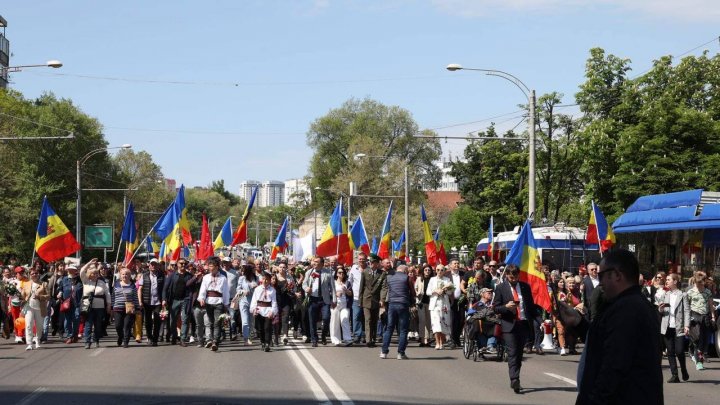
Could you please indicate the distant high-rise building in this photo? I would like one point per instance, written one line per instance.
(4, 55)
(447, 181)
(271, 193)
(246, 189)
(294, 191)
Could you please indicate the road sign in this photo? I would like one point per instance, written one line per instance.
(99, 237)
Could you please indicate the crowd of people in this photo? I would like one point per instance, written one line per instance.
(321, 301)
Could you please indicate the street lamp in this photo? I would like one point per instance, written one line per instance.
(530, 95)
(78, 210)
(51, 63)
(407, 200)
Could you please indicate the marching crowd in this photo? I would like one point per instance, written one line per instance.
(186, 303)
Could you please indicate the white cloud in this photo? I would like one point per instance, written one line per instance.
(687, 10)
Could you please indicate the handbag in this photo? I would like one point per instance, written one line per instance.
(129, 306)
(87, 301)
(65, 305)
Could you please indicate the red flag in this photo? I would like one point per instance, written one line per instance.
(441, 256)
(205, 249)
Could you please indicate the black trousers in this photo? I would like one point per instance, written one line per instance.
(458, 321)
(124, 323)
(152, 321)
(515, 341)
(675, 351)
(263, 327)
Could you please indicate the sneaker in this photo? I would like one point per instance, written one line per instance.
(699, 366)
(18, 339)
(402, 356)
(214, 347)
(383, 355)
(192, 340)
(693, 358)
(563, 352)
(208, 345)
(37, 344)
(29, 347)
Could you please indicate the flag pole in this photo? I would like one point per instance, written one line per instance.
(337, 245)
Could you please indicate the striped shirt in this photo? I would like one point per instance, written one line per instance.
(121, 292)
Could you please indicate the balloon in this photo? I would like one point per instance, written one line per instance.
(20, 324)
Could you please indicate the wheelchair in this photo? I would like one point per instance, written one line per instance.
(488, 327)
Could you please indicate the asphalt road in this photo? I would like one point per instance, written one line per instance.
(69, 374)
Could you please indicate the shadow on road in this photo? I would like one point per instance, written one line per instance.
(564, 389)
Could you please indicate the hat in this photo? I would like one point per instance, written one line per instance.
(71, 267)
(484, 290)
(227, 259)
(19, 269)
(154, 261)
(374, 257)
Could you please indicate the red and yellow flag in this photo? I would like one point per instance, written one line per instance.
(53, 239)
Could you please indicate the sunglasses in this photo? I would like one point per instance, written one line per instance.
(602, 274)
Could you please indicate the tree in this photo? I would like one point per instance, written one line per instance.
(47, 167)
(466, 226)
(386, 135)
(493, 179)
(219, 187)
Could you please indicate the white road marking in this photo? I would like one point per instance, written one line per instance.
(33, 396)
(337, 391)
(309, 379)
(96, 352)
(561, 378)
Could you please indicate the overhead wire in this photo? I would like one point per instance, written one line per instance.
(34, 122)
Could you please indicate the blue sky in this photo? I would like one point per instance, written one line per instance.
(228, 89)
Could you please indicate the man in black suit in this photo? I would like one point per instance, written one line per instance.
(589, 283)
(514, 304)
(623, 354)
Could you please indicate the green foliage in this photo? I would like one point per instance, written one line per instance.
(493, 179)
(466, 226)
(219, 187)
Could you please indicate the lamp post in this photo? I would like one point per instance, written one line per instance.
(5, 70)
(406, 196)
(530, 95)
(78, 209)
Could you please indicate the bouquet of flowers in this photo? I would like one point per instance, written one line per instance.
(9, 289)
(163, 314)
(225, 319)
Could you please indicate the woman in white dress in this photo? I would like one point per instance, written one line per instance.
(439, 289)
(340, 315)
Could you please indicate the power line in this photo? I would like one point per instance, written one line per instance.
(476, 122)
(237, 84)
(680, 56)
(35, 122)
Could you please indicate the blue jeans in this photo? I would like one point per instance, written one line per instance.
(72, 322)
(357, 320)
(93, 322)
(245, 317)
(317, 310)
(397, 314)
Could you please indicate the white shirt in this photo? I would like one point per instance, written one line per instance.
(33, 302)
(673, 304)
(315, 284)
(264, 294)
(354, 280)
(595, 281)
(522, 301)
(216, 283)
(456, 279)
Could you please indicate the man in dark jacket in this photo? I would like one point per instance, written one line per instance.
(623, 353)
(177, 295)
(514, 304)
(151, 297)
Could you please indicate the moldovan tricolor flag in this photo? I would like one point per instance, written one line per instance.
(167, 228)
(182, 215)
(598, 229)
(240, 235)
(358, 237)
(335, 239)
(281, 241)
(398, 247)
(385, 240)
(524, 254)
(430, 246)
(441, 256)
(205, 248)
(53, 239)
(129, 234)
(225, 237)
